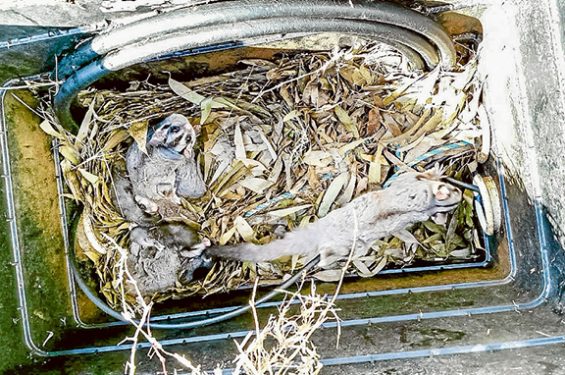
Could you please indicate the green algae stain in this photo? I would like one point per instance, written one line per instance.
(37, 214)
(428, 337)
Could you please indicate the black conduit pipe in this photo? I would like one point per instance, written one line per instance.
(245, 10)
(94, 298)
(392, 35)
(215, 35)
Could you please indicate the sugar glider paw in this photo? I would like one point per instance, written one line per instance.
(146, 204)
(200, 247)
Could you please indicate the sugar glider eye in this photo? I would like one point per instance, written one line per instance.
(175, 129)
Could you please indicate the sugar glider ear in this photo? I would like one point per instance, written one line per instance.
(197, 129)
(406, 177)
(193, 135)
(176, 118)
(436, 173)
(440, 218)
(441, 192)
(157, 138)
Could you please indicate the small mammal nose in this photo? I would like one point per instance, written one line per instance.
(443, 193)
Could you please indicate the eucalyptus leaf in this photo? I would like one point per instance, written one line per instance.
(46, 126)
(239, 145)
(331, 193)
(244, 229)
(138, 131)
(257, 185)
(288, 211)
(328, 276)
(70, 153)
(346, 120)
(92, 178)
(206, 109)
(185, 93)
(317, 158)
(85, 124)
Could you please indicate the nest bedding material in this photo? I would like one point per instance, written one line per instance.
(283, 143)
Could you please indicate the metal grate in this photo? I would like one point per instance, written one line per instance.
(73, 293)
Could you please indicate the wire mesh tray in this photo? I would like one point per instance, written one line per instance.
(78, 308)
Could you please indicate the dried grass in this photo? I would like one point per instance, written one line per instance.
(282, 346)
(282, 144)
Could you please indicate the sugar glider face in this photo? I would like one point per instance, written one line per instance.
(445, 196)
(175, 133)
(425, 193)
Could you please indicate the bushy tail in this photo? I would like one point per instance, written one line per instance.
(294, 243)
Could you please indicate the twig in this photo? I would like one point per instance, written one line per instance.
(143, 325)
(27, 105)
(30, 86)
(337, 54)
(131, 363)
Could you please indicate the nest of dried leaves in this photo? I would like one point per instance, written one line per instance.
(282, 143)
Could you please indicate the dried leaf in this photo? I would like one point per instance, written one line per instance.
(381, 265)
(350, 146)
(258, 63)
(317, 158)
(483, 154)
(206, 109)
(71, 179)
(93, 256)
(239, 146)
(291, 115)
(255, 166)
(257, 185)
(328, 276)
(434, 228)
(366, 74)
(288, 211)
(348, 191)
(407, 237)
(185, 93)
(331, 193)
(270, 147)
(363, 270)
(48, 128)
(461, 254)
(375, 167)
(85, 124)
(92, 178)
(227, 236)
(276, 171)
(374, 122)
(91, 236)
(391, 125)
(244, 229)
(70, 154)
(116, 138)
(138, 131)
(347, 122)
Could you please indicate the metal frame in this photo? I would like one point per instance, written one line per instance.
(423, 41)
(548, 278)
(205, 338)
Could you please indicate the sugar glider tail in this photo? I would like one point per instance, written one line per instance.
(294, 243)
